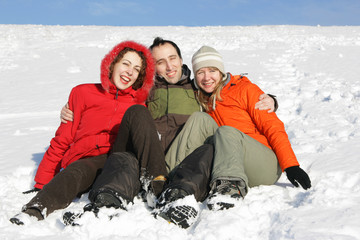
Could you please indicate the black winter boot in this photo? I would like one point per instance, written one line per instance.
(174, 208)
(104, 199)
(109, 200)
(171, 195)
(70, 218)
(224, 194)
(24, 217)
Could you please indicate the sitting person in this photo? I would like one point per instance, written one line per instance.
(80, 147)
(251, 147)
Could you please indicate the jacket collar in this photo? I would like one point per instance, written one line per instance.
(118, 92)
(185, 77)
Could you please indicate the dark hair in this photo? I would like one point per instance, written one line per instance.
(158, 41)
(140, 80)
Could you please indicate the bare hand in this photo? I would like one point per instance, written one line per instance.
(265, 103)
(66, 114)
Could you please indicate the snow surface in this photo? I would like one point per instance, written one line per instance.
(314, 71)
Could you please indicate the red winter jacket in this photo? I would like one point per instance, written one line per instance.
(98, 110)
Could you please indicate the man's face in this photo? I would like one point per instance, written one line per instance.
(168, 63)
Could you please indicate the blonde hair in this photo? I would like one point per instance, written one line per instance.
(207, 100)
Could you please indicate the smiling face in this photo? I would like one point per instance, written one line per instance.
(126, 71)
(208, 78)
(168, 63)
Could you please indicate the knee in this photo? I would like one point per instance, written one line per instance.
(229, 132)
(136, 114)
(136, 109)
(202, 120)
(121, 159)
(200, 116)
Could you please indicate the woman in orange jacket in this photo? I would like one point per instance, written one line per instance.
(251, 146)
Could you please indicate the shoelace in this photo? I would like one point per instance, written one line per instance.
(223, 187)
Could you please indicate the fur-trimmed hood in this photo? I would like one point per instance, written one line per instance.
(141, 93)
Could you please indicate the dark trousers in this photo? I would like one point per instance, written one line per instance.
(136, 154)
(120, 177)
(194, 172)
(137, 134)
(77, 178)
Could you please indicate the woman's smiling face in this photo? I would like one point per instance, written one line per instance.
(208, 78)
(126, 71)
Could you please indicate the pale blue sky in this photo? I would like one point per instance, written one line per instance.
(181, 12)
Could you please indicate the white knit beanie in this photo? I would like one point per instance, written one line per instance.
(208, 57)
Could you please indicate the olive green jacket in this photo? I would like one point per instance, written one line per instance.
(171, 105)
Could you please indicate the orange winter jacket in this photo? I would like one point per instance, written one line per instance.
(237, 109)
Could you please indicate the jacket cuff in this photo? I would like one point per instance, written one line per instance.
(38, 185)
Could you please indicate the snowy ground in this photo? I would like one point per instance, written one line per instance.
(314, 71)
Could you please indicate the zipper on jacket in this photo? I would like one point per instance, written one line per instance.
(115, 110)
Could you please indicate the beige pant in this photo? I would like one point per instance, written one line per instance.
(236, 154)
(239, 156)
(198, 128)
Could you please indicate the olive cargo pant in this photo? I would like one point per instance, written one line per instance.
(236, 155)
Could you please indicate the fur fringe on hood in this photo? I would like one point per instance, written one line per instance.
(141, 93)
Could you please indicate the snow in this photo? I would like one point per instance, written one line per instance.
(314, 71)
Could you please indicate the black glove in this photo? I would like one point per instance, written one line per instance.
(296, 175)
(32, 190)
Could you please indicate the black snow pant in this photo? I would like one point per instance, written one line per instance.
(193, 173)
(74, 180)
(120, 178)
(136, 154)
(120, 175)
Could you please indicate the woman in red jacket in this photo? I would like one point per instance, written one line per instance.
(80, 147)
(251, 146)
